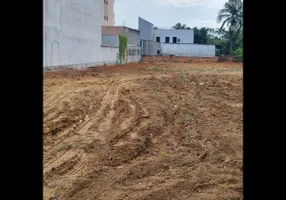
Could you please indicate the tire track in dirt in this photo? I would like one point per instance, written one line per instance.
(108, 100)
(72, 163)
(124, 137)
(50, 113)
(68, 88)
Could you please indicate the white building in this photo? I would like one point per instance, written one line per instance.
(72, 34)
(185, 36)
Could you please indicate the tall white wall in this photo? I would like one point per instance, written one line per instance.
(72, 32)
(145, 28)
(191, 50)
(185, 36)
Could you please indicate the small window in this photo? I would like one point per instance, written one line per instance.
(157, 39)
(167, 39)
(179, 40)
(174, 39)
(106, 1)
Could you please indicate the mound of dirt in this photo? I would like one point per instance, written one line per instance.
(144, 131)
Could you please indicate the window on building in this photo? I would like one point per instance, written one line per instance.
(106, 1)
(167, 39)
(174, 39)
(157, 39)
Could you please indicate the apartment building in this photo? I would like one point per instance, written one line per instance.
(185, 36)
(107, 13)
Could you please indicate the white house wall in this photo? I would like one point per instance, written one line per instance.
(185, 36)
(72, 32)
(190, 50)
(109, 55)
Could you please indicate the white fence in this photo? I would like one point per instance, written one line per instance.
(190, 50)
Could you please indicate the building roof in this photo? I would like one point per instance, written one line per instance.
(144, 20)
(115, 30)
(172, 29)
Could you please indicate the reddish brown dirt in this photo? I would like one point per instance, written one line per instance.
(183, 59)
(144, 131)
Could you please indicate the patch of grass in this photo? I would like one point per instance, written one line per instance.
(156, 67)
(162, 153)
(187, 119)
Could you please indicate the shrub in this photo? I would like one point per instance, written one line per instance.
(222, 59)
(238, 55)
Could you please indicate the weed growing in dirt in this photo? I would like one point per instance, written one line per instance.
(187, 119)
(156, 67)
(162, 154)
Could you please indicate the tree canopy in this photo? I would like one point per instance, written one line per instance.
(231, 15)
(229, 37)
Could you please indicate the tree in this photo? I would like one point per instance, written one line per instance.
(201, 35)
(232, 16)
(180, 26)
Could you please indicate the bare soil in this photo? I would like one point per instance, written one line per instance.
(144, 131)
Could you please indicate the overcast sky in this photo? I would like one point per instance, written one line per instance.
(166, 13)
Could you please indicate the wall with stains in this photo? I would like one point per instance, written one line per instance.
(72, 32)
(189, 50)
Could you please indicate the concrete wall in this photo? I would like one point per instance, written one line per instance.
(109, 54)
(180, 59)
(112, 30)
(110, 40)
(107, 10)
(134, 54)
(185, 36)
(146, 29)
(190, 50)
(72, 32)
(150, 47)
(133, 36)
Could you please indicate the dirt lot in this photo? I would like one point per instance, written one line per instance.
(145, 131)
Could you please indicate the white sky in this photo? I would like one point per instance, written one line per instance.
(166, 13)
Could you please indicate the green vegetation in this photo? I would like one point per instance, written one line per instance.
(238, 53)
(228, 41)
(156, 67)
(232, 16)
(122, 47)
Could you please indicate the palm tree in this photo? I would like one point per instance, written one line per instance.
(232, 16)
